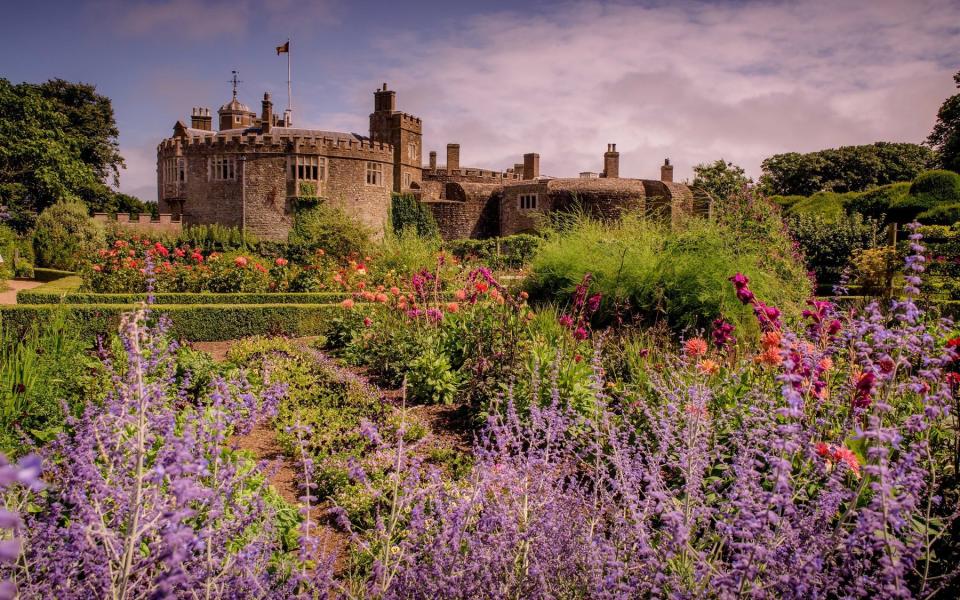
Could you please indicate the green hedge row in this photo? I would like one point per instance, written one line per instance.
(50, 274)
(192, 322)
(51, 296)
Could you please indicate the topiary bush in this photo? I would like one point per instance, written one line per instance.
(828, 245)
(327, 228)
(65, 235)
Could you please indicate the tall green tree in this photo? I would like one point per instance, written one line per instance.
(58, 140)
(719, 179)
(945, 137)
(844, 169)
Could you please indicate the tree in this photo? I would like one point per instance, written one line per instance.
(58, 140)
(719, 180)
(844, 169)
(945, 137)
(324, 227)
(91, 122)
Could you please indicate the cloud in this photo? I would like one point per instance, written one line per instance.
(199, 19)
(692, 81)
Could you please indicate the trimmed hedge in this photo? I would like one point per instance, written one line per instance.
(45, 295)
(41, 274)
(196, 323)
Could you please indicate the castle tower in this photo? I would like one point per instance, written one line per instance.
(404, 132)
(531, 165)
(200, 119)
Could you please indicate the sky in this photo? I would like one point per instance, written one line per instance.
(692, 81)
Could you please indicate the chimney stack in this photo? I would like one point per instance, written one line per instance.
(384, 100)
(453, 157)
(200, 119)
(666, 171)
(531, 165)
(433, 160)
(611, 162)
(266, 115)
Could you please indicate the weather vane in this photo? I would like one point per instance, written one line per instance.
(235, 81)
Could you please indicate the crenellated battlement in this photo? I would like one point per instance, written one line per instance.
(279, 144)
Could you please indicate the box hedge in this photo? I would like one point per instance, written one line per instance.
(192, 322)
(53, 296)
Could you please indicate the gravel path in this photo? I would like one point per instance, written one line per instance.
(9, 295)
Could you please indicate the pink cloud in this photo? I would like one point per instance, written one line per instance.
(691, 81)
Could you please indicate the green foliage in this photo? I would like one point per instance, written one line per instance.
(878, 203)
(51, 275)
(407, 213)
(65, 235)
(677, 275)
(61, 294)
(325, 227)
(829, 244)
(42, 366)
(511, 252)
(945, 137)
(404, 253)
(829, 205)
(844, 169)
(193, 322)
(431, 379)
(937, 186)
(57, 140)
(720, 179)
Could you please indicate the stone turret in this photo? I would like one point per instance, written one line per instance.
(666, 171)
(611, 162)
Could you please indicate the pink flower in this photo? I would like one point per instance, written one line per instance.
(395, 291)
(695, 347)
(281, 262)
(348, 303)
(580, 333)
(240, 261)
(367, 322)
(461, 295)
(566, 321)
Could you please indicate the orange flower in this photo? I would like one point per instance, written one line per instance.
(395, 291)
(461, 295)
(348, 303)
(770, 356)
(708, 367)
(825, 364)
(524, 295)
(695, 347)
(381, 297)
(453, 307)
(770, 339)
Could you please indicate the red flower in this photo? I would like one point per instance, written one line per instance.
(281, 262)
(240, 261)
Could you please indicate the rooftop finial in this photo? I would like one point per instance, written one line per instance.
(235, 80)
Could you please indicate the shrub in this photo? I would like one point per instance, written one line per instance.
(510, 252)
(66, 235)
(828, 245)
(402, 254)
(431, 378)
(877, 203)
(829, 205)
(327, 228)
(654, 272)
(937, 186)
(407, 213)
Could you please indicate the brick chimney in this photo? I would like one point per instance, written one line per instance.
(266, 115)
(531, 165)
(200, 119)
(611, 162)
(384, 100)
(433, 160)
(666, 171)
(453, 157)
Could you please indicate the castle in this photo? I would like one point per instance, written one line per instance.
(251, 170)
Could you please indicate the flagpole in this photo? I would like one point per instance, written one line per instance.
(289, 87)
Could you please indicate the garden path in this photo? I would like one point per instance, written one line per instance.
(9, 295)
(262, 443)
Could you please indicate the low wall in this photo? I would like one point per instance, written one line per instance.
(164, 223)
